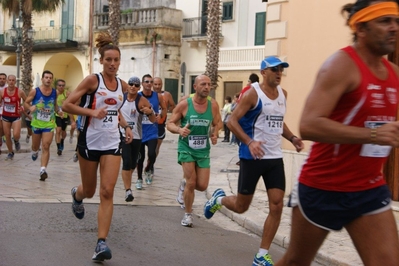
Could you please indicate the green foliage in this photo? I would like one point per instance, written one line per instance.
(127, 11)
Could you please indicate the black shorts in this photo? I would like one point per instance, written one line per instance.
(332, 210)
(161, 131)
(130, 154)
(94, 155)
(10, 119)
(61, 122)
(28, 125)
(271, 170)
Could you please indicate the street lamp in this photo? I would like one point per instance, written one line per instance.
(16, 37)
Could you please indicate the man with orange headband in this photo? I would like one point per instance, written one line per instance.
(352, 120)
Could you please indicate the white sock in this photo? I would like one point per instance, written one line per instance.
(219, 200)
(42, 168)
(262, 252)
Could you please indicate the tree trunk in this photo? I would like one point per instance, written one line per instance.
(114, 20)
(27, 51)
(212, 45)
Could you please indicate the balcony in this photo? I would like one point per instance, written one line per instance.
(48, 38)
(194, 31)
(241, 58)
(158, 16)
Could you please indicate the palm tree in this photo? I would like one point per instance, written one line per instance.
(25, 8)
(114, 20)
(212, 45)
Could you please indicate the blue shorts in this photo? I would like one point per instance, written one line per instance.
(332, 210)
(36, 130)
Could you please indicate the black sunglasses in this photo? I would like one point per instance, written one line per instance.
(148, 81)
(133, 84)
(277, 68)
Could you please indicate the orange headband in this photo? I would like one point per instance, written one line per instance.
(372, 12)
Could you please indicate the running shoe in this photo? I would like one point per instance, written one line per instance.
(27, 139)
(59, 152)
(43, 175)
(17, 145)
(129, 196)
(265, 260)
(180, 192)
(35, 154)
(211, 206)
(10, 156)
(78, 208)
(149, 176)
(139, 184)
(187, 220)
(70, 139)
(75, 157)
(102, 252)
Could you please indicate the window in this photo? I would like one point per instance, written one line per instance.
(260, 25)
(227, 11)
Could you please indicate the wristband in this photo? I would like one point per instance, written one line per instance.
(373, 135)
(292, 138)
(249, 142)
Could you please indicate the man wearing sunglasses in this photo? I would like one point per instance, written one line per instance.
(133, 109)
(150, 130)
(258, 122)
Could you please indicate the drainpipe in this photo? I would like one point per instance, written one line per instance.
(154, 38)
(91, 36)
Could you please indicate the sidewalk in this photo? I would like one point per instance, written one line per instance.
(19, 181)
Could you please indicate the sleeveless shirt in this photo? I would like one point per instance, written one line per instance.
(355, 167)
(150, 130)
(197, 142)
(12, 103)
(133, 116)
(265, 122)
(44, 115)
(101, 134)
(60, 100)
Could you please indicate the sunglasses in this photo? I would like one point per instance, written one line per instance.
(148, 81)
(277, 68)
(133, 84)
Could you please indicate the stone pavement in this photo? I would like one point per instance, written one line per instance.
(19, 181)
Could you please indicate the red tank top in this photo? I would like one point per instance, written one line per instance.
(355, 167)
(11, 103)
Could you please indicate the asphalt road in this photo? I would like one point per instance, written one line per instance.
(49, 234)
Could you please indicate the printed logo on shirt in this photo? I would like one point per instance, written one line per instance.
(392, 95)
(110, 101)
(373, 87)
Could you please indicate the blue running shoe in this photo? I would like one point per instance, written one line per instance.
(102, 252)
(265, 260)
(211, 206)
(10, 156)
(78, 208)
(35, 154)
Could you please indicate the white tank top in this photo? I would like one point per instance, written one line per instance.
(133, 117)
(102, 134)
(270, 122)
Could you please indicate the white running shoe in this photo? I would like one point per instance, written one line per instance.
(187, 220)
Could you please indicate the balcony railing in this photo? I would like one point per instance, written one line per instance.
(143, 17)
(241, 58)
(194, 27)
(51, 34)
